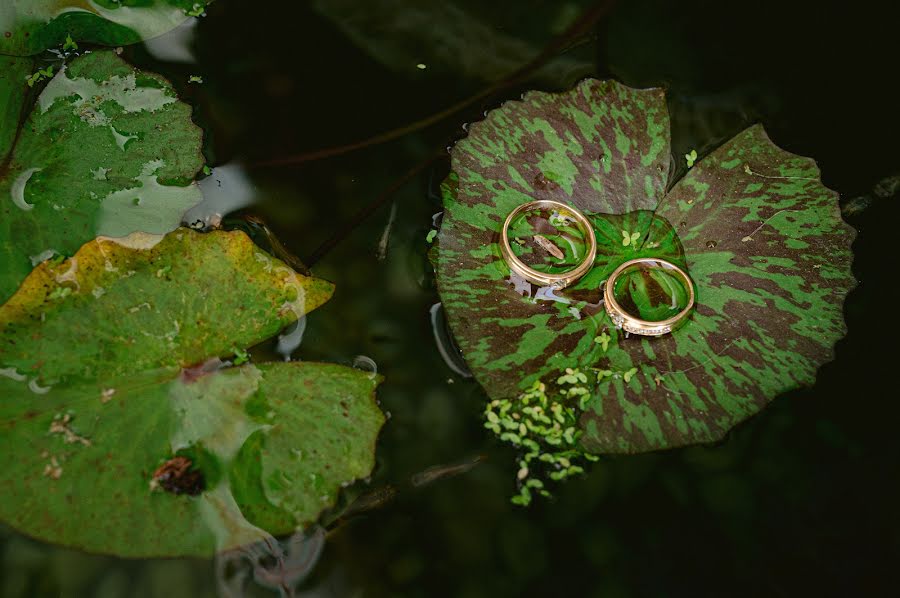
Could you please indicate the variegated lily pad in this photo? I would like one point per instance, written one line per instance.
(759, 233)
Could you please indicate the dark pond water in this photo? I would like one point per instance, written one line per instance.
(801, 500)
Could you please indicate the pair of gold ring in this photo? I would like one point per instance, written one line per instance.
(559, 280)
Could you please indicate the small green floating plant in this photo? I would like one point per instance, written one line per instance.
(545, 428)
(39, 75)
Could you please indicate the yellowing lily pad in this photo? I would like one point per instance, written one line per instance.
(106, 150)
(123, 433)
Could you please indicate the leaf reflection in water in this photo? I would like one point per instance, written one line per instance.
(273, 564)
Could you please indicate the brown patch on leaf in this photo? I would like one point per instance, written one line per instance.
(60, 425)
(194, 372)
(177, 477)
(53, 469)
(542, 182)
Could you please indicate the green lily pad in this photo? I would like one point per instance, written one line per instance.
(119, 433)
(761, 236)
(31, 26)
(106, 150)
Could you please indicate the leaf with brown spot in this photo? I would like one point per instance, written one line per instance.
(107, 447)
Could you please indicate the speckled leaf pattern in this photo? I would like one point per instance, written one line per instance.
(100, 372)
(770, 255)
(106, 150)
(31, 26)
(602, 140)
(769, 307)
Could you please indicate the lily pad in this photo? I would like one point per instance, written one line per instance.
(106, 150)
(119, 433)
(759, 233)
(31, 26)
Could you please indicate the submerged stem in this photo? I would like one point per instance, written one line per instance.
(368, 209)
(580, 27)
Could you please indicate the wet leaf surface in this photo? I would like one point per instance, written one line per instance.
(31, 26)
(106, 150)
(754, 226)
(123, 434)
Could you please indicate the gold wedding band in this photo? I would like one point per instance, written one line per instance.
(634, 325)
(559, 280)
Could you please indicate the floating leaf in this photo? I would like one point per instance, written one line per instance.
(760, 235)
(118, 439)
(31, 26)
(105, 151)
(690, 158)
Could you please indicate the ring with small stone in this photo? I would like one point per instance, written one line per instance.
(557, 280)
(649, 296)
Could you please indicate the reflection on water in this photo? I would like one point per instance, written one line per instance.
(366, 364)
(445, 343)
(176, 45)
(289, 340)
(279, 565)
(226, 190)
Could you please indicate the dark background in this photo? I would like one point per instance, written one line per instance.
(801, 500)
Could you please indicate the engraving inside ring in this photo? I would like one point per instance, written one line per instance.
(549, 240)
(651, 291)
